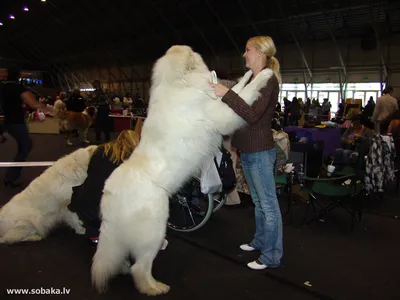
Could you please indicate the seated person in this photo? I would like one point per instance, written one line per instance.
(282, 144)
(86, 198)
(354, 134)
(394, 126)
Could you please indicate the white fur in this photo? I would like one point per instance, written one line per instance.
(31, 214)
(58, 106)
(182, 130)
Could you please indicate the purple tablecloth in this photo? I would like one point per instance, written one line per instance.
(330, 136)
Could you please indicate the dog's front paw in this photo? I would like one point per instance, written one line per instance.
(86, 141)
(69, 143)
(80, 230)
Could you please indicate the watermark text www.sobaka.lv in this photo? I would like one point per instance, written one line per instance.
(39, 291)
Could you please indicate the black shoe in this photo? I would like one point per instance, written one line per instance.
(11, 184)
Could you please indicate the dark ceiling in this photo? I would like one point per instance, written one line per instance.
(83, 33)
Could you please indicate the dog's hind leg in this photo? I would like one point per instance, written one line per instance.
(141, 273)
(144, 247)
(20, 234)
(108, 261)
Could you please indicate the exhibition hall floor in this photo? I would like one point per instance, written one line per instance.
(321, 261)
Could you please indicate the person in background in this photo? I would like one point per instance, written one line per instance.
(385, 107)
(76, 102)
(127, 101)
(367, 113)
(3, 138)
(394, 126)
(12, 97)
(257, 151)
(278, 107)
(326, 108)
(355, 133)
(100, 100)
(295, 111)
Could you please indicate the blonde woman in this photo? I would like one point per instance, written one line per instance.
(257, 151)
(86, 198)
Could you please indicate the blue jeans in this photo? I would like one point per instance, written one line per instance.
(258, 170)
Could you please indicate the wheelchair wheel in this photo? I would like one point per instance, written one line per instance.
(219, 200)
(189, 208)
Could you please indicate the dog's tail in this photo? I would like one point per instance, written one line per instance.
(107, 262)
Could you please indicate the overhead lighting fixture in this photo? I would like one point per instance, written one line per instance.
(26, 8)
(1, 24)
(43, 0)
(12, 17)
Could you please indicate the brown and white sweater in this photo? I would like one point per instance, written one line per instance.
(257, 136)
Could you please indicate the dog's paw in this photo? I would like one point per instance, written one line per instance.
(80, 230)
(86, 141)
(162, 287)
(33, 238)
(69, 143)
(159, 289)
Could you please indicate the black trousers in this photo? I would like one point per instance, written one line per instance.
(103, 123)
(24, 143)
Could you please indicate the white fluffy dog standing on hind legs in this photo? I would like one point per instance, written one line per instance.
(183, 129)
(30, 215)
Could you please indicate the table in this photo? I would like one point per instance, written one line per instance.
(330, 136)
(121, 122)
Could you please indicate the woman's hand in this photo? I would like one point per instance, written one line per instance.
(220, 90)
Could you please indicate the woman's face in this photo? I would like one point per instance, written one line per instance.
(251, 56)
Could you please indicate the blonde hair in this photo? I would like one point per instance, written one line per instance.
(122, 148)
(266, 45)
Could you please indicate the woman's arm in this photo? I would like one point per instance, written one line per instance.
(252, 114)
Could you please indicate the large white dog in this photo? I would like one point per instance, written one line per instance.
(184, 128)
(31, 214)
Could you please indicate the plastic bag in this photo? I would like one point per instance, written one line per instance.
(210, 182)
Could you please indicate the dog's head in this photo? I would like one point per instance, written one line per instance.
(177, 62)
(74, 166)
(91, 111)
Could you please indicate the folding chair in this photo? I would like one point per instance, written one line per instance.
(343, 188)
(286, 181)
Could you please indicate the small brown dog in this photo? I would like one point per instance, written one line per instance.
(70, 121)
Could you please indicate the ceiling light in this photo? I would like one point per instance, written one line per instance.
(43, 0)
(1, 24)
(26, 8)
(12, 17)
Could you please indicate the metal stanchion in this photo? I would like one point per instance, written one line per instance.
(27, 164)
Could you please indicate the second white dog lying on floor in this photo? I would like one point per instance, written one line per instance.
(183, 129)
(31, 214)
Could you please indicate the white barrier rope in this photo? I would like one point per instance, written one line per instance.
(27, 164)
